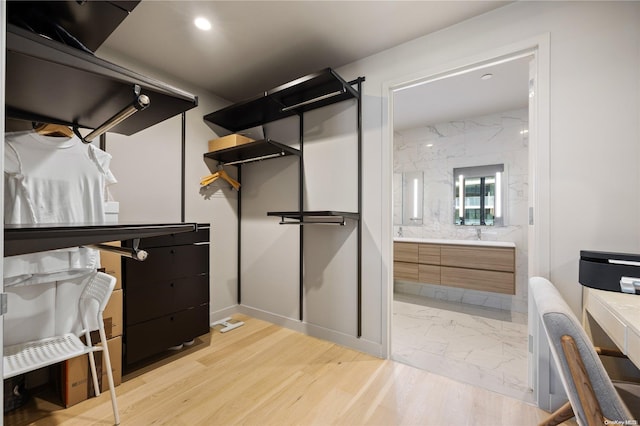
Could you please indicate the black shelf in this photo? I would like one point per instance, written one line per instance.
(325, 217)
(23, 239)
(49, 81)
(88, 22)
(303, 94)
(252, 151)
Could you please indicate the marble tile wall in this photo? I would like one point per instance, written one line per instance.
(436, 150)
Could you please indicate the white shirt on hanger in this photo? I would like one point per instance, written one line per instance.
(52, 180)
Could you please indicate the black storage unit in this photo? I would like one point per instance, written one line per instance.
(618, 272)
(166, 297)
(52, 81)
(294, 98)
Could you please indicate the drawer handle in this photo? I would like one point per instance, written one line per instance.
(171, 285)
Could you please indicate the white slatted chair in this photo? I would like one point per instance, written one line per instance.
(29, 356)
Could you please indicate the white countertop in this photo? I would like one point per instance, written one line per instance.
(455, 242)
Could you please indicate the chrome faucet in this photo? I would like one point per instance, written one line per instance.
(479, 233)
(400, 231)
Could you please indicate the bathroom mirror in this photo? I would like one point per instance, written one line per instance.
(478, 195)
(412, 198)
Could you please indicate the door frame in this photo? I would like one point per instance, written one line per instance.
(539, 136)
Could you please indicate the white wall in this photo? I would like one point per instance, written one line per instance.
(594, 153)
(594, 132)
(148, 168)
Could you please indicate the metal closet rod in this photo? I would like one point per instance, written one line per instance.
(316, 99)
(251, 160)
(139, 103)
(131, 252)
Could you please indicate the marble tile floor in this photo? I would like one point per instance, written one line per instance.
(481, 346)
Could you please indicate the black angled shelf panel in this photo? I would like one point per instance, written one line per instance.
(303, 94)
(51, 82)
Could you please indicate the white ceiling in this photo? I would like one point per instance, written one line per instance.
(464, 95)
(257, 45)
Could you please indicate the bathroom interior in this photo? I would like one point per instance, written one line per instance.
(462, 141)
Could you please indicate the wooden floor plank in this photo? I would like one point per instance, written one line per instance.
(262, 374)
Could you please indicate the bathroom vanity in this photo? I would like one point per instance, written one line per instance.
(476, 265)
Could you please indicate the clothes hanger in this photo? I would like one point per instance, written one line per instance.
(49, 129)
(220, 174)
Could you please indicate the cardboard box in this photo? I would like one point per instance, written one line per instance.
(112, 316)
(76, 381)
(228, 142)
(112, 264)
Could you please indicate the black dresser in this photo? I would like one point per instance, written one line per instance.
(166, 297)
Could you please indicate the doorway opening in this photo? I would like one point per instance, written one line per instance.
(474, 121)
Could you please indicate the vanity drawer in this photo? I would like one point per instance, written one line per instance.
(405, 252)
(633, 346)
(405, 271)
(488, 258)
(476, 279)
(429, 254)
(614, 327)
(429, 274)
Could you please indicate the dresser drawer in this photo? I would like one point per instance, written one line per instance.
(155, 336)
(148, 299)
(165, 263)
(201, 235)
(405, 252)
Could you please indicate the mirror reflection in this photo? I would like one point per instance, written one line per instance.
(478, 195)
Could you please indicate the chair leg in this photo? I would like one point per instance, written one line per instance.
(92, 363)
(590, 406)
(562, 414)
(112, 388)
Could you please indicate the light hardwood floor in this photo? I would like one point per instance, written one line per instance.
(262, 374)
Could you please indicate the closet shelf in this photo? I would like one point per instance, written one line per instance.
(23, 239)
(48, 81)
(317, 217)
(252, 151)
(304, 94)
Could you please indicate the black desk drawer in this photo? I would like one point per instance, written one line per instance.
(201, 235)
(147, 300)
(155, 336)
(165, 263)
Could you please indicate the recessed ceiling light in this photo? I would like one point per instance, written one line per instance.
(429, 145)
(486, 76)
(202, 23)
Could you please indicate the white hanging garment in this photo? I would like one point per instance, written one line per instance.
(53, 180)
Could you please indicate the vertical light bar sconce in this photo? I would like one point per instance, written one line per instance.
(415, 198)
(498, 195)
(461, 198)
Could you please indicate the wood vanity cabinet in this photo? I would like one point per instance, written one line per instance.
(476, 267)
(166, 297)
